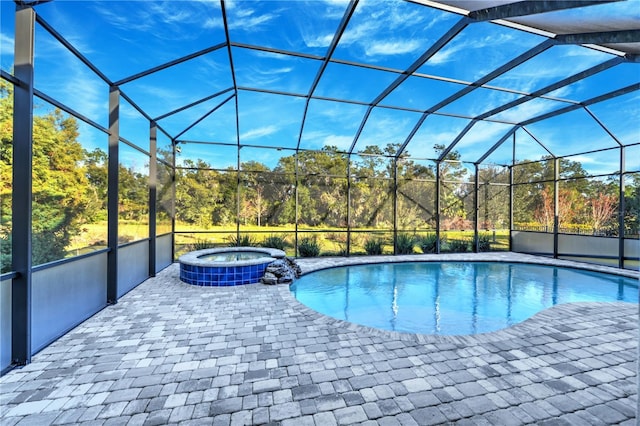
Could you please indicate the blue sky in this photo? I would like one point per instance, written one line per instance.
(125, 38)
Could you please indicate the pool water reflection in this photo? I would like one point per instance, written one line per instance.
(452, 297)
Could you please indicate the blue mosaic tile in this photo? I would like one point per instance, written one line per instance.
(222, 275)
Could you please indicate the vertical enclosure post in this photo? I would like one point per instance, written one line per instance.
(476, 208)
(511, 191)
(22, 187)
(556, 205)
(238, 197)
(295, 248)
(395, 205)
(112, 197)
(173, 198)
(437, 207)
(153, 184)
(349, 205)
(621, 209)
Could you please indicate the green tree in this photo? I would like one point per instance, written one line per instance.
(632, 205)
(64, 198)
(61, 191)
(204, 196)
(322, 187)
(254, 202)
(415, 194)
(133, 188)
(62, 195)
(164, 197)
(534, 194)
(6, 163)
(96, 170)
(493, 194)
(372, 188)
(456, 195)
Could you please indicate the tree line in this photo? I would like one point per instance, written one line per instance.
(328, 184)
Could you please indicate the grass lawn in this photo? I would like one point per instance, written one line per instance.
(331, 241)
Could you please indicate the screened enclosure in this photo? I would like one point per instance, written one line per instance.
(133, 132)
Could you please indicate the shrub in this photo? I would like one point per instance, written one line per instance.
(309, 247)
(484, 242)
(458, 246)
(274, 241)
(244, 240)
(202, 244)
(373, 246)
(358, 239)
(405, 243)
(428, 243)
(338, 237)
(5, 253)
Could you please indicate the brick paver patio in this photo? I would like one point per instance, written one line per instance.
(173, 353)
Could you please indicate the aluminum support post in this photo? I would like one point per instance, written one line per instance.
(476, 208)
(556, 205)
(112, 197)
(395, 206)
(621, 209)
(437, 207)
(153, 184)
(22, 187)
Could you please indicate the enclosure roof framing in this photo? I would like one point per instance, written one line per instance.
(308, 76)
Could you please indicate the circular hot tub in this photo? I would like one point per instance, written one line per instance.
(227, 266)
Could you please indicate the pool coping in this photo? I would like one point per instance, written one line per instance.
(539, 322)
(308, 265)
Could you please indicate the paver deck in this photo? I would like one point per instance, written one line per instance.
(170, 352)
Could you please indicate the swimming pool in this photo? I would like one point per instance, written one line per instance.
(451, 298)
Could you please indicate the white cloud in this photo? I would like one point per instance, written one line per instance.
(181, 20)
(6, 52)
(248, 20)
(392, 47)
(386, 28)
(384, 127)
(212, 23)
(319, 138)
(316, 40)
(527, 110)
(357, 33)
(263, 69)
(551, 66)
(259, 132)
(421, 146)
(563, 92)
(445, 55)
(340, 3)
(6, 44)
(154, 92)
(214, 67)
(273, 71)
(342, 142)
(122, 21)
(69, 81)
(451, 50)
(244, 13)
(261, 77)
(89, 96)
(479, 139)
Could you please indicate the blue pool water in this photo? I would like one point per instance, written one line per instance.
(233, 256)
(452, 297)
